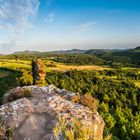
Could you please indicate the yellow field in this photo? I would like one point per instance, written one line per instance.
(62, 67)
(54, 66)
(21, 64)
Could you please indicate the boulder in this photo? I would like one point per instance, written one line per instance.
(34, 118)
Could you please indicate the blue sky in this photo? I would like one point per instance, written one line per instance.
(47, 25)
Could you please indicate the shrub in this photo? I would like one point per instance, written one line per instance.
(86, 100)
(74, 130)
(5, 132)
(51, 65)
(2, 129)
(76, 98)
(20, 93)
(89, 101)
(26, 79)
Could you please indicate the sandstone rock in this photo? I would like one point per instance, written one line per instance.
(34, 118)
(38, 72)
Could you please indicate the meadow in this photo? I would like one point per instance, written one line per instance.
(50, 65)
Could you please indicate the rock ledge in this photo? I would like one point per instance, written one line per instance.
(34, 118)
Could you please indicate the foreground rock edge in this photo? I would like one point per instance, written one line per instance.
(34, 118)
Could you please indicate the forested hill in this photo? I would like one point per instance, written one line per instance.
(73, 51)
(113, 58)
(78, 51)
(130, 56)
(137, 48)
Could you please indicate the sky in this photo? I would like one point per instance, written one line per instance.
(48, 25)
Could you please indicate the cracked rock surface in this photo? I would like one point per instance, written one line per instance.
(33, 118)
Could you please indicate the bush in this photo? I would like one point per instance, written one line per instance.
(21, 93)
(26, 79)
(74, 130)
(86, 100)
(2, 129)
(89, 101)
(76, 98)
(5, 132)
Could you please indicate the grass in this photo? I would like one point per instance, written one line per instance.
(108, 77)
(4, 73)
(137, 83)
(23, 64)
(56, 66)
(130, 68)
(63, 67)
(15, 64)
(74, 130)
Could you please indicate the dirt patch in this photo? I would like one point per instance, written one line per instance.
(4, 73)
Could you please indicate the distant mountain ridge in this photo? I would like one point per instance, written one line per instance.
(78, 51)
(27, 52)
(73, 51)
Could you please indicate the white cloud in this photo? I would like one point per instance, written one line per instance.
(6, 47)
(18, 12)
(82, 27)
(16, 16)
(50, 18)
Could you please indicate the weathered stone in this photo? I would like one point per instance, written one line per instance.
(38, 72)
(35, 117)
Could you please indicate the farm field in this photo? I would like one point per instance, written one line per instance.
(63, 67)
(50, 66)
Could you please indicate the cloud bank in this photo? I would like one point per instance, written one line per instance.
(16, 16)
(17, 13)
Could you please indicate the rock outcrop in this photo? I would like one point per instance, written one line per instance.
(38, 72)
(33, 118)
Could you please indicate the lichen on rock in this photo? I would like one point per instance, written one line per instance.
(38, 72)
(35, 117)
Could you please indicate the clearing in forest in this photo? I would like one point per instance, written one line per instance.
(3, 73)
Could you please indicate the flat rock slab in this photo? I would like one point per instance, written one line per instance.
(35, 127)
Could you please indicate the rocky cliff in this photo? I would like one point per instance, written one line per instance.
(34, 117)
